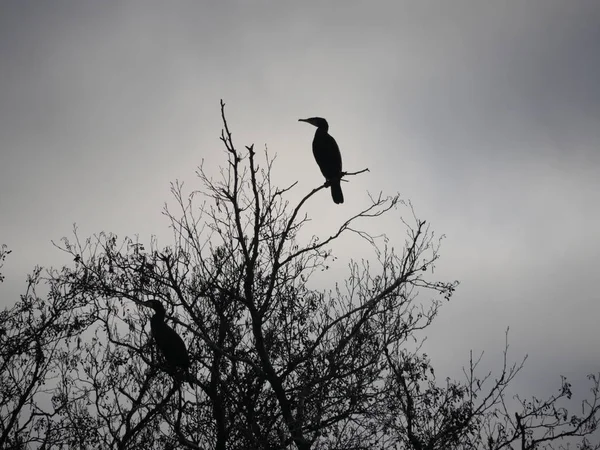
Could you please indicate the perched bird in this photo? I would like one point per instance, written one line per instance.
(167, 340)
(327, 154)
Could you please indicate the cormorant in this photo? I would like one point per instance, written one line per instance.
(167, 340)
(327, 154)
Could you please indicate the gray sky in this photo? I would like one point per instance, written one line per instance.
(486, 115)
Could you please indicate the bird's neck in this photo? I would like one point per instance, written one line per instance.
(158, 319)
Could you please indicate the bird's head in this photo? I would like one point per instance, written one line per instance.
(156, 306)
(318, 122)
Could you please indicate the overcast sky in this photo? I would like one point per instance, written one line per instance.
(485, 114)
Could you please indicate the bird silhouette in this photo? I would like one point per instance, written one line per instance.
(167, 340)
(328, 156)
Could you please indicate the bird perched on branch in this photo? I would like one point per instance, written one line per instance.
(328, 156)
(167, 340)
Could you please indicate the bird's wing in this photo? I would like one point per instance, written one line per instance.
(176, 350)
(336, 156)
(328, 156)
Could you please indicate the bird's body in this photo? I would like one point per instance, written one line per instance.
(167, 340)
(328, 156)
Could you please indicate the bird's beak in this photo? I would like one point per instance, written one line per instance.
(302, 120)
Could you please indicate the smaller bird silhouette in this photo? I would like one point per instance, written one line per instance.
(328, 156)
(167, 340)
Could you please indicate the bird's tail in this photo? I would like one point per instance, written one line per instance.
(336, 192)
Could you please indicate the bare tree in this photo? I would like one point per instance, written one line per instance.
(474, 413)
(276, 363)
(34, 339)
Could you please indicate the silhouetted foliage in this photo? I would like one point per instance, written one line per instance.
(4, 251)
(275, 362)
